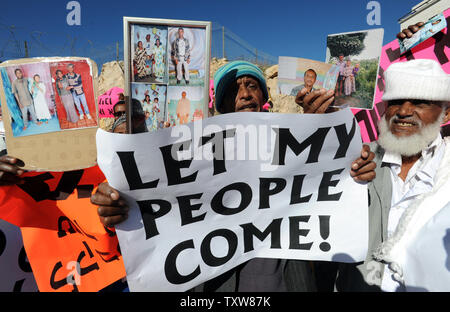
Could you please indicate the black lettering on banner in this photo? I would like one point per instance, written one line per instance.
(273, 229)
(295, 232)
(170, 265)
(246, 197)
(324, 223)
(89, 268)
(111, 111)
(39, 190)
(265, 191)
(149, 215)
(363, 116)
(285, 139)
(103, 254)
(218, 162)
(325, 183)
(101, 111)
(395, 54)
(344, 139)
(205, 248)
(85, 191)
(61, 231)
(132, 174)
(18, 285)
(110, 233)
(380, 79)
(186, 208)
(296, 190)
(80, 230)
(24, 265)
(62, 282)
(442, 41)
(374, 117)
(2, 242)
(173, 167)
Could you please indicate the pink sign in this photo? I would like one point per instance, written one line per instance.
(106, 102)
(436, 48)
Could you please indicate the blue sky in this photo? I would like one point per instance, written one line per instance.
(278, 27)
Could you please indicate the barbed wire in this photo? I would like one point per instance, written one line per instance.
(35, 43)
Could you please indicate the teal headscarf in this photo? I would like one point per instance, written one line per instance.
(232, 71)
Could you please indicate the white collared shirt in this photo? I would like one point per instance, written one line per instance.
(420, 179)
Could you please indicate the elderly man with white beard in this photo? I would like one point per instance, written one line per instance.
(412, 183)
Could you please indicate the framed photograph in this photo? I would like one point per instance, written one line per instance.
(50, 111)
(357, 56)
(294, 74)
(164, 61)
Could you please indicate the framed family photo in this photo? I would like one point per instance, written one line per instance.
(166, 71)
(50, 112)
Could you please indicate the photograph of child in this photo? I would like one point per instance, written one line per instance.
(187, 56)
(184, 104)
(295, 74)
(153, 101)
(356, 57)
(74, 94)
(148, 53)
(29, 99)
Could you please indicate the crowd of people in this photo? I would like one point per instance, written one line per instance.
(406, 169)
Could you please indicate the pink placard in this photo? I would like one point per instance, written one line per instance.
(106, 102)
(435, 48)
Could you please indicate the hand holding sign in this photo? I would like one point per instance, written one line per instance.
(10, 170)
(112, 209)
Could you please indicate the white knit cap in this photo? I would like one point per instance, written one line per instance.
(416, 80)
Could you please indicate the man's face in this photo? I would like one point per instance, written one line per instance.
(341, 57)
(245, 95)
(408, 117)
(119, 110)
(70, 69)
(310, 78)
(180, 33)
(147, 38)
(19, 74)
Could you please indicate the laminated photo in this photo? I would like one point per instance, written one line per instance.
(356, 56)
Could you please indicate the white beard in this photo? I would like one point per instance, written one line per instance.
(409, 145)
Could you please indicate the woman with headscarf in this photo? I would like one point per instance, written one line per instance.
(66, 97)
(37, 90)
(140, 58)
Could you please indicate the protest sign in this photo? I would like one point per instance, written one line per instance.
(47, 126)
(238, 186)
(106, 102)
(67, 246)
(15, 269)
(435, 48)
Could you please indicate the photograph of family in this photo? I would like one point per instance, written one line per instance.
(296, 74)
(75, 100)
(187, 56)
(153, 101)
(168, 70)
(149, 53)
(47, 97)
(356, 56)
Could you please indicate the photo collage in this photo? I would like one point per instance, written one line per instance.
(167, 68)
(46, 97)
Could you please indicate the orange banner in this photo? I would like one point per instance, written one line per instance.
(67, 246)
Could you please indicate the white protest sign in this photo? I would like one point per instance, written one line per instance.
(238, 186)
(15, 270)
